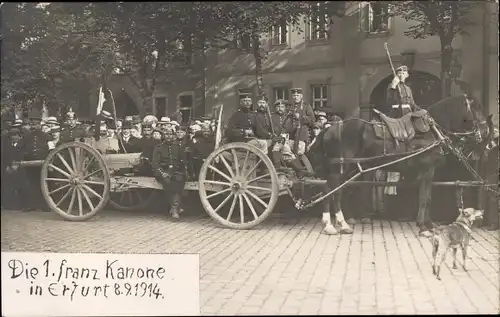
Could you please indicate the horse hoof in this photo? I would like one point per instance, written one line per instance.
(366, 221)
(425, 233)
(330, 230)
(346, 231)
(351, 221)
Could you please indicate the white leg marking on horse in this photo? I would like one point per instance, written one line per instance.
(344, 226)
(328, 228)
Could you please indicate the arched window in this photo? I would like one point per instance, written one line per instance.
(426, 89)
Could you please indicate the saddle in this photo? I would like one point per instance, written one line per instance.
(402, 129)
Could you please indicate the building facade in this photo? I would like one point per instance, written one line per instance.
(342, 67)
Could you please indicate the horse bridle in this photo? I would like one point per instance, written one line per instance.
(476, 129)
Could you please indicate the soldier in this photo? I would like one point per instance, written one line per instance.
(72, 132)
(170, 170)
(264, 132)
(282, 145)
(15, 175)
(242, 125)
(399, 95)
(128, 143)
(148, 143)
(302, 117)
(36, 148)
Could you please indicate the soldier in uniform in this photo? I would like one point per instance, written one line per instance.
(243, 124)
(264, 132)
(15, 176)
(148, 143)
(72, 132)
(399, 95)
(169, 168)
(36, 148)
(302, 117)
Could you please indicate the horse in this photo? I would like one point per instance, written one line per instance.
(455, 117)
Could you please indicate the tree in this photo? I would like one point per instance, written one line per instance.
(446, 19)
(248, 21)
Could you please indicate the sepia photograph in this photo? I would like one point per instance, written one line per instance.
(250, 158)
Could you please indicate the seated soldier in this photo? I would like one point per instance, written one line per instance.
(170, 170)
(302, 119)
(147, 145)
(264, 130)
(242, 124)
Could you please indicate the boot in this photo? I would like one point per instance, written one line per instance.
(298, 168)
(175, 210)
(276, 159)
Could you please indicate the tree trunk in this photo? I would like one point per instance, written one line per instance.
(256, 49)
(446, 58)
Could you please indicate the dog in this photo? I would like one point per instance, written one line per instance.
(453, 236)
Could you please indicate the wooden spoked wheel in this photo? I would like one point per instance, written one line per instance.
(306, 163)
(238, 185)
(133, 199)
(75, 181)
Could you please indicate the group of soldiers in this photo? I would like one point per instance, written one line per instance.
(171, 152)
(163, 144)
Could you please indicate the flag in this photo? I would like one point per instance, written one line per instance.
(101, 101)
(218, 133)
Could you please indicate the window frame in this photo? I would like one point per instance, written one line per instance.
(312, 27)
(274, 35)
(190, 93)
(155, 113)
(326, 98)
(285, 85)
(369, 30)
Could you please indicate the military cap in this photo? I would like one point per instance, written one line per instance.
(402, 68)
(14, 131)
(127, 124)
(245, 95)
(296, 90)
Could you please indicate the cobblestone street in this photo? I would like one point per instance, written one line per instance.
(285, 266)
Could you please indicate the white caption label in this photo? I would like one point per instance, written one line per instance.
(90, 284)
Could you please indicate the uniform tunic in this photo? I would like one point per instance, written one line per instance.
(263, 125)
(147, 145)
(169, 157)
(240, 121)
(36, 145)
(393, 99)
(71, 134)
(307, 119)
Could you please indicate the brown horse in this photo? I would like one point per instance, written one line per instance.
(457, 117)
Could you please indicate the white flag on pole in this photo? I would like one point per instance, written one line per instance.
(101, 101)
